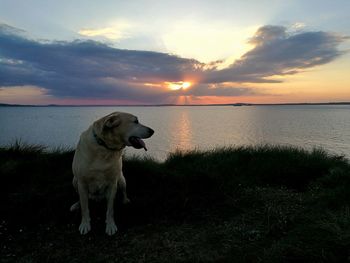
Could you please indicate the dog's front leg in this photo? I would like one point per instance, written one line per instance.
(111, 227)
(85, 226)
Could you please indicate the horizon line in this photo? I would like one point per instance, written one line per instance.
(175, 105)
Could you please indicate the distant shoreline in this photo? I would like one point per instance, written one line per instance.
(182, 105)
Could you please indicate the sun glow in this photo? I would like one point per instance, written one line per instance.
(216, 42)
(178, 85)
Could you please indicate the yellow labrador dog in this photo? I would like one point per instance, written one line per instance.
(97, 163)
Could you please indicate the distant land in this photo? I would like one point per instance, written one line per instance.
(177, 105)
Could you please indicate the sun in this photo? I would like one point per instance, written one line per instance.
(178, 85)
(186, 85)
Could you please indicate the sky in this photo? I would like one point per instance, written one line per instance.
(139, 52)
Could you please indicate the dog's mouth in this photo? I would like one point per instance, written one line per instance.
(137, 142)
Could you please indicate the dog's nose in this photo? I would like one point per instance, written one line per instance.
(150, 131)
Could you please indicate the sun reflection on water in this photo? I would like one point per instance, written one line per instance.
(181, 132)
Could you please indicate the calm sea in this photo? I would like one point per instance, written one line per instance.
(186, 127)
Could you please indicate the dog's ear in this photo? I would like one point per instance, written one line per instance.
(112, 122)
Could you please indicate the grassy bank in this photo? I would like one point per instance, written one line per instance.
(264, 204)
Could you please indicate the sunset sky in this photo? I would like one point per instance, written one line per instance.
(178, 52)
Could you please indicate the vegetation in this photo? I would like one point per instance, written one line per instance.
(262, 204)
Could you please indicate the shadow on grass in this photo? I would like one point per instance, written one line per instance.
(247, 204)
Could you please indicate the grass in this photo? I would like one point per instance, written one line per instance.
(247, 204)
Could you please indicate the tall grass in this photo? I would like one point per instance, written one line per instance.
(245, 204)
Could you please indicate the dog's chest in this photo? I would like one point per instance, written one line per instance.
(98, 186)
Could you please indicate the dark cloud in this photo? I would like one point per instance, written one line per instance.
(86, 68)
(219, 90)
(278, 53)
(90, 69)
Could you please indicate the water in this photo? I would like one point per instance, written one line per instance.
(186, 127)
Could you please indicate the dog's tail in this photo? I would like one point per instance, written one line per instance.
(75, 206)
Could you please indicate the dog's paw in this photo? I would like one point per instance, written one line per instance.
(84, 228)
(111, 228)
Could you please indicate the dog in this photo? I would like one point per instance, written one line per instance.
(97, 163)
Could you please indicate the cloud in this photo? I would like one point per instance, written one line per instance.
(278, 53)
(86, 68)
(219, 90)
(113, 32)
(91, 69)
(108, 32)
(298, 25)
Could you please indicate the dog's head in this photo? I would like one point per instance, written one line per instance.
(120, 129)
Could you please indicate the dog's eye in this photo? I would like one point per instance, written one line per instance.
(136, 121)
